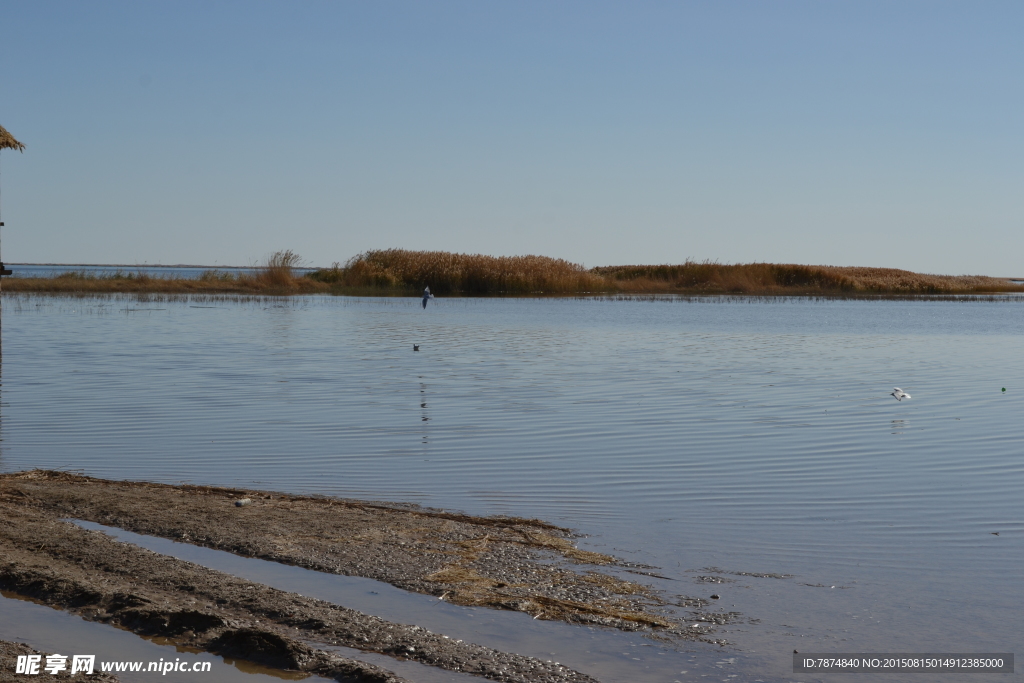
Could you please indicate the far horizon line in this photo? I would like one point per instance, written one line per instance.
(191, 265)
(145, 265)
(303, 267)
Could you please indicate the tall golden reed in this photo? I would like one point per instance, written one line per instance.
(278, 271)
(467, 274)
(473, 274)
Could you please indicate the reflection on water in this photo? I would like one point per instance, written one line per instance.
(756, 438)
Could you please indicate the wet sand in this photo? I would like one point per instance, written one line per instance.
(503, 563)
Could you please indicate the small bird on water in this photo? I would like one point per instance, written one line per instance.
(426, 295)
(899, 394)
(415, 347)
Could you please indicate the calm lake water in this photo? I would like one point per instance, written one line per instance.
(721, 437)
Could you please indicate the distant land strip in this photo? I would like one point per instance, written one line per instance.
(400, 272)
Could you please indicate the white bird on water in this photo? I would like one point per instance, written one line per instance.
(426, 295)
(899, 394)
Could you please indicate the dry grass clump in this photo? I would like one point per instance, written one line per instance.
(565, 547)
(467, 582)
(7, 141)
(278, 271)
(468, 274)
(470, 588)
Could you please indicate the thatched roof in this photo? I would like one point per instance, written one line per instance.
(7, 141)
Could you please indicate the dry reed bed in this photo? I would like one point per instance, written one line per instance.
(467, 274)
(709, 277)
(402, 272)
(474, 274)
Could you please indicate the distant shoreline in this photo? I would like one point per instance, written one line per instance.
(398, 272)
(136, 266)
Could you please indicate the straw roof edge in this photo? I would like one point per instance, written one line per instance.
(7, 141)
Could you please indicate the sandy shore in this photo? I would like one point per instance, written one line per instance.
(504, 563)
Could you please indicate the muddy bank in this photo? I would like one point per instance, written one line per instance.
(102, 580)
(9, 653)
(521, 564)
(505, 563)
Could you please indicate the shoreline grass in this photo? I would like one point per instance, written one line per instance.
(709, 277)
(399, 272)
(275, 277)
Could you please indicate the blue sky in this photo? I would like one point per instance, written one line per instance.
(856, 133)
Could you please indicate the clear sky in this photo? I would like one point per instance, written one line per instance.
(848, 133)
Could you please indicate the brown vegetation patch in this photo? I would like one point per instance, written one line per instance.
(709, 277)
(466, 274)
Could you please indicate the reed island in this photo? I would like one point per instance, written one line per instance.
(400, 272)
